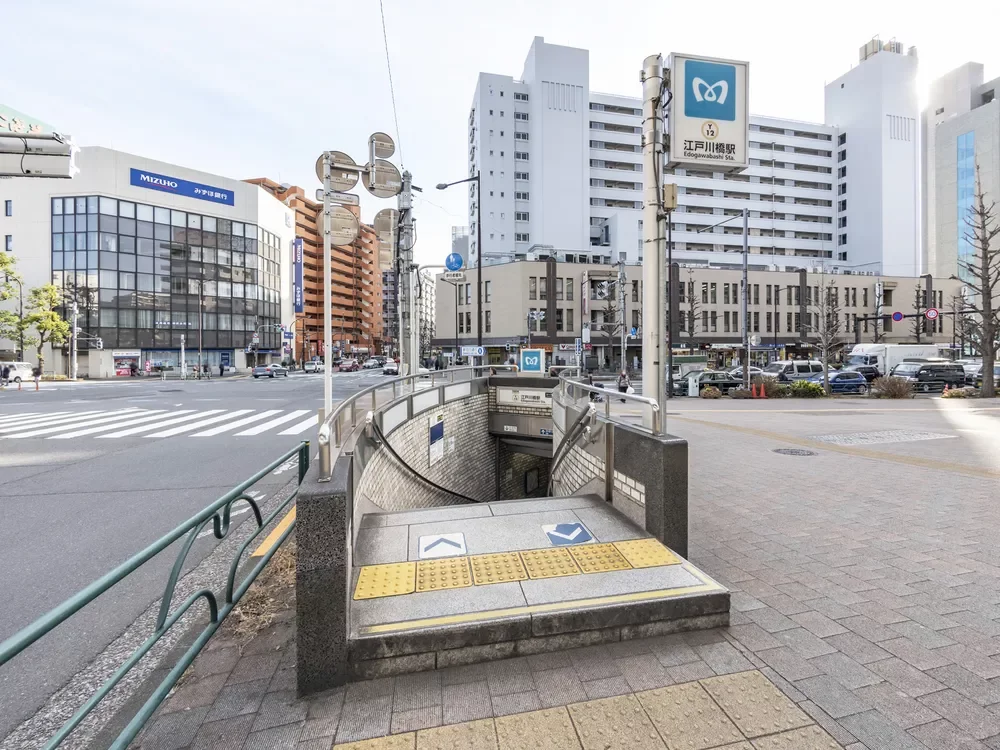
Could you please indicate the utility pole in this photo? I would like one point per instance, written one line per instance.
(201, 316)
(621, 301)
(327, 293)
(408, 298)
(654, 260)
(74, 342)
(746, 301)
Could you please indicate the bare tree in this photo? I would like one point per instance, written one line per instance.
(693, 308)
(828, 327)
(957, 308)
(982, 275)
(918, 326)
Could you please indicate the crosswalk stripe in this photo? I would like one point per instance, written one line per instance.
(197, 425)
(63, 419)
(313, 421)
(18, 418)
(273, 423)
(165, 423)
(239, 423)
(101, 420)
(147, 417)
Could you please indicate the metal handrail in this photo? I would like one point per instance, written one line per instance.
(219, 513)
(652, 403)
(330, 436)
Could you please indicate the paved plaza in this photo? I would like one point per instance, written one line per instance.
(865, 587)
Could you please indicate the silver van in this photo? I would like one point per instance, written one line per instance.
(793, 369)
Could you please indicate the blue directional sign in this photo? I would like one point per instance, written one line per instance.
(564, 534)
(453, 262)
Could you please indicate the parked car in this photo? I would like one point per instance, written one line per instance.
(797, 369)
(972, 369)
(269, 371)
(371, 364)
(18, 371)
(738, 372)
(349, 365)
(996, 376)
(843, 381)
(312, 366)
(720, 379)
(869, 372)
(930, 376)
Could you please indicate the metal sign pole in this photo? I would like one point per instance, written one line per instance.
(327, 288)
(653, 311)
(746, 299)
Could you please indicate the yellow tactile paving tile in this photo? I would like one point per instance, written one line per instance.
(549, 563)
(688, 717)
(391, 579)
(755, 705)
(497, 568)
(807, 738)
(598, 558)
(393, 742)
(472, 735)
(443, 573)
(550, 729)
(646, 553)
(613, 723)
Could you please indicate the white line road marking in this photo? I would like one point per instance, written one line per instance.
(53, 420)
(313, 421)
(115, 419)
(273, 423)
(132, 422)
(211, 530)
(247, 420)
(144, 428)
(204, 423)
(29, 417)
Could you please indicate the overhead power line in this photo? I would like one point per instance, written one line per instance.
(392, 92)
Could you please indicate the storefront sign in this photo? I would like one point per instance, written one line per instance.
(297, 291)
(152, 181)
(125, 361)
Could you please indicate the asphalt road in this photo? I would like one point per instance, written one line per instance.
(92, 473)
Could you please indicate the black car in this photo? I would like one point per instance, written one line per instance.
(996, 377)
(930, 376)
(721, 380)
(870, 372)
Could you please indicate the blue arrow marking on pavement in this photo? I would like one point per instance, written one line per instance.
(569, 533)
(431, 546)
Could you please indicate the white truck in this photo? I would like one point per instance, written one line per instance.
(887, 356)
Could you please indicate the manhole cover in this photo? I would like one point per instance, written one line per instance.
(794, 452)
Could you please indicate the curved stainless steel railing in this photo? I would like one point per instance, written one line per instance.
(331, 430)
(654, 406)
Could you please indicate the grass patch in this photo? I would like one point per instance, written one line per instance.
(272, 592)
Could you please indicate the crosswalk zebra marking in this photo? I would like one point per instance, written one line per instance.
(114, 418)
(239, 423)
(54, 420)
(273, 423)
(146, 417)
(198, 425)
(302, 426)
(25, 417)
(165, 423)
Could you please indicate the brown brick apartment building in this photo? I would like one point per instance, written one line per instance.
(357, 281)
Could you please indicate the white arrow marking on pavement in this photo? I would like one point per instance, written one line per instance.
(204, 423)
(572, 536)
(158, 414)
(301, 426)
(143, 428)
(273, 423)
(52, 420)
(113, 418)
(232, 426)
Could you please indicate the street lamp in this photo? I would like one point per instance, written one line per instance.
(20, 313)
(539, 315)
(479, 248)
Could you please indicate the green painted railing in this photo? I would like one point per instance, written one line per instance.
(219, 514)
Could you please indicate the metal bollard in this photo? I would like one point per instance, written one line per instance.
(373, 399)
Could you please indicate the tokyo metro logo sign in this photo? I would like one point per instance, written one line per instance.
(710, 90)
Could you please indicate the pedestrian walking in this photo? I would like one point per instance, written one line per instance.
(623, 383)
(222, 371)
(36, 373)
(4, 376)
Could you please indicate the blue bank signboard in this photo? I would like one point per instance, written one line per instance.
(176, 186)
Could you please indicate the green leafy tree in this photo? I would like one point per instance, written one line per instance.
(42, 315)
(13, 325)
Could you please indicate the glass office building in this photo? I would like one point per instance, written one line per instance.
(140, 273)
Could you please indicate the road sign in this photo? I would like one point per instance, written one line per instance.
(384, 180)
(289, 335)
(340, 179)
(454, 276)
(532, 360)
(473, 351)
(345, 199)
(579, 345)
(382, 145)
(453, 262)
(256, 338)
(564, 534)
(634, 332)
(441, 545)
(897, 316)
(344, 226)
(755, 340)
(931, 313)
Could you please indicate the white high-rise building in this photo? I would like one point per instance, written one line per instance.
(874, 107)
(562, 176)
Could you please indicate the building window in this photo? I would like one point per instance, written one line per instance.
(520, 237)
(756, 322)
(788, 322)
(842, 172)
(569, 319)
(725, 319)
(8, 243)
(704, 320)
(489, 321)
(569, 290)
(487, 291)
(520, 196)
(725, 300)
(736, 321)
(522, 155)
(715, 321)
(521, 176)
(559, 319)
(559, 288)
(520, 216)
(842, 206)
(468, 294)
(767, 321)
(635, 291)
(966, 166)
(756, 294)
(532, 287)
(712, 292)
(543, 291)
(520, 136)
(8, 208)
(520, 97)
(704, 292)
(842, 139)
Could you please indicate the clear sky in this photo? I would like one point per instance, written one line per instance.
(251, 88)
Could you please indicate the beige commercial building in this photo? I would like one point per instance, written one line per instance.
(554, 302)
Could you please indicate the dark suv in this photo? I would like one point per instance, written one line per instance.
(930, 376)
(870, 372)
